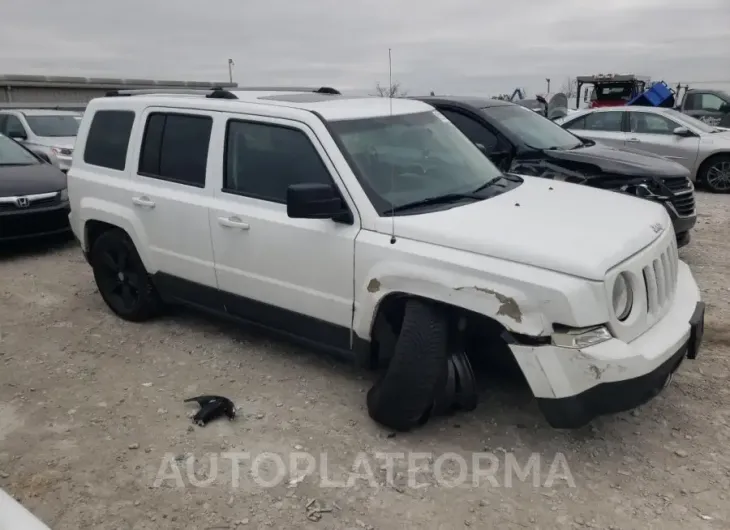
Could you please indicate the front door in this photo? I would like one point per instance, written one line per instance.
(706, 106)
(294, 275)
(490, 142)
(654, 133)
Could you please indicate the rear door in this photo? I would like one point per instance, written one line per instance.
(603, 126)
(171, 196)
(654, 133)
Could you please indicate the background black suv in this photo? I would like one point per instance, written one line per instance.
(520, 141)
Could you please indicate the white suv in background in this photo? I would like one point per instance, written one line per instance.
(374, 228)
(52, 132)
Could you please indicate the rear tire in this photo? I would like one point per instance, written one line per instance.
(404, 395)
(715, 174)
(121, 277)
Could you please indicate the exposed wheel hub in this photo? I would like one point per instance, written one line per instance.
(459, 391)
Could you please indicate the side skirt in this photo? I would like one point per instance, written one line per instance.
(289, 325)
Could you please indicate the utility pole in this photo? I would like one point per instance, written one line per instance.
(548, 84)
(231, 64)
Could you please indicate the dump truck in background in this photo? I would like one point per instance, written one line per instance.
(609, 90)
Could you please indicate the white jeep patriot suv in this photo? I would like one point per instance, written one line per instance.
(374, 228)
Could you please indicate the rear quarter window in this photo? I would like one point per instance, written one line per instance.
(108, 139)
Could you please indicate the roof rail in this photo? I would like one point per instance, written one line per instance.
(213, 93)
(221, 93)
(317, 90)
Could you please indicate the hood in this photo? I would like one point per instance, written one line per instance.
(66, 142)
(28, 180)
(595, 161)
(571, 228)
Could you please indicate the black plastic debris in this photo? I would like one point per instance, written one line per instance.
(212, 407)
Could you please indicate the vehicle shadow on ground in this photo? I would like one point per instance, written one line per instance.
(506, 405)
(35, 247)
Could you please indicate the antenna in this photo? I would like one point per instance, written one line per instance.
(392, 171)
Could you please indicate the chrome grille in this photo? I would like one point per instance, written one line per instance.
(684, 197)
(653, 272)
(660, 279)
(41, 200)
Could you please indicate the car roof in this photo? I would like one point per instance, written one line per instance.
(42, 112)
(332, 107)
(479, 102)
(623, 108)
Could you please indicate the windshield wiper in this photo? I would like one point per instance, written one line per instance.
(440, 199)
(489, 184)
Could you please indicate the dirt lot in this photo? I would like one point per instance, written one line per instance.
(90, 406)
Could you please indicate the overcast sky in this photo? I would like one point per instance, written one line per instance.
(452, 46)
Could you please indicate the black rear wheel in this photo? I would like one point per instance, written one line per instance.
(121, 277)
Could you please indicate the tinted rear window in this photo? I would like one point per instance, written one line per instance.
(175, 148)
(108, 139)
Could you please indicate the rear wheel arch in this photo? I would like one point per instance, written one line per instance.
(97, 221)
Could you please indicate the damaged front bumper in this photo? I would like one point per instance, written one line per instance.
(573, 386)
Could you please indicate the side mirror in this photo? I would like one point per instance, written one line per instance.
(682, 131)
(43, 156)
(315, 201)
(500, 158)
(17, 135)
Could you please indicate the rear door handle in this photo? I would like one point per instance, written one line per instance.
(145, 202)
(233, 222)
(634, 140)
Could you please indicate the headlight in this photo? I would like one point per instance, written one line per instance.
(63, 195)
(581, 337)
(623, 297)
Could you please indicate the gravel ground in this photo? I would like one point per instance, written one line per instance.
(91, 410)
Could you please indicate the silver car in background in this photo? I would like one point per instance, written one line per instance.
(50, 131)
(701, 148)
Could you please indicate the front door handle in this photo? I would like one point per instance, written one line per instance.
(144, 202)
(634, 140)
(233, 222)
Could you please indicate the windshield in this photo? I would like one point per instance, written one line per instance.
(12, 154)
(536, 131)
(689, 120)
(614, 91)
(407, 158)
(53, 125)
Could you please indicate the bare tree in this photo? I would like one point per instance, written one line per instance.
(393, 91)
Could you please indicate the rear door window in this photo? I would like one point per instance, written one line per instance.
(175, 148)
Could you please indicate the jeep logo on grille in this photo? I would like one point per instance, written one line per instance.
(22, 202)
(657, 227)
